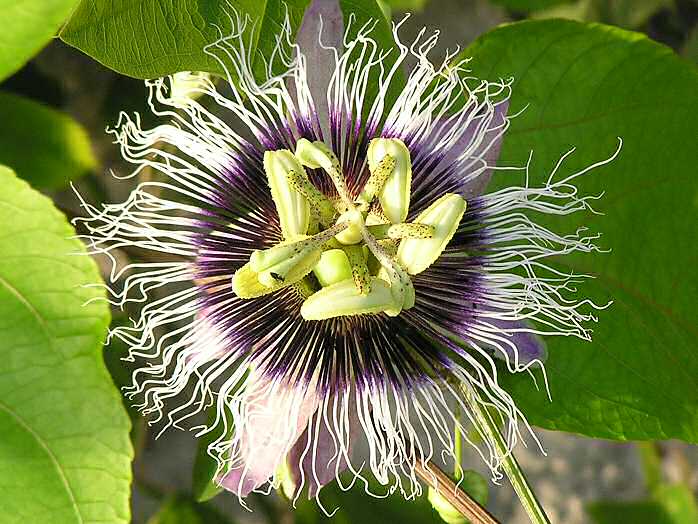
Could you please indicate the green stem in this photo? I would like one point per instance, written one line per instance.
(489, 427)
(651, 464)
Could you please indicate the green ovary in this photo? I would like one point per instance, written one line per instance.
(361, 259)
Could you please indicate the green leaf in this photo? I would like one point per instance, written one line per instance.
(30, 24)
(356, 506)
(405, 5)
(180, 510)
(204, 486)
(363, 12)
(679, 502)
(672, 504)
(64, 453)
(527, 6)
(624, 13)
(150, 39)
(475, 485)
(642, 512)
(44, 146)
(586, 85)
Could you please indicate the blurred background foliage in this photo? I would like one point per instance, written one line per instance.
(55, 103)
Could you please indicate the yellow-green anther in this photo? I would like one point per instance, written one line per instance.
(248, 283)
(262, 260)
(404, 230)
(379, 176)
(299, 181)
(359, 269)
(333, 267)
(343, 299)
(416, 255)
(292, 206)
(316, 155)
(394, 197)
(291, 269)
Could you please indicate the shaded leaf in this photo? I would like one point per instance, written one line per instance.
(150, 39)
(180, 510)
(527, 6)
(586, 85)
(204, 486)
(671, 504)
(44, 146)
(65, 452)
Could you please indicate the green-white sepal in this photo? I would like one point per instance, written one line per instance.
(394, 196)
(293, 208)
(445, 214)
(344, 299)
(333, 267)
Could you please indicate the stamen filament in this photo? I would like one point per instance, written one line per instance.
(319, 203)
(379, 176)
(402, 230)
(359, 269)
(317, 155)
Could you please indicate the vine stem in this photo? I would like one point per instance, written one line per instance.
(455, 496)
(511, 467)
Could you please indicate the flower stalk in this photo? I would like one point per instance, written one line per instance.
(488, 426)
(455, 496)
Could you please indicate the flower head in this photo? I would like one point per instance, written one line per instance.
(331, 277)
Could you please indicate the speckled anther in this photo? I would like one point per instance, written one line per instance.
(361, 262)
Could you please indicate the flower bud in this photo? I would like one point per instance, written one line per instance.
(443, 507)
(394, 196)
(293, 208)
(444, 215)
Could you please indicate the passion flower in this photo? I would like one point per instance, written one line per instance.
(330, 278)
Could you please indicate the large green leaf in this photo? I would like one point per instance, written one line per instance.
(153, 38)
(29, 25)
(586, 85)
(64, 452)
(44, 146)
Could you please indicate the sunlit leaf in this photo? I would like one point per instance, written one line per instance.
(29, 25)
(65, 452)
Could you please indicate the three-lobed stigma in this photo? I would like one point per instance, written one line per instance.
(349, 256)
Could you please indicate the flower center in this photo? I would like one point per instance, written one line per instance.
(348, 256)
